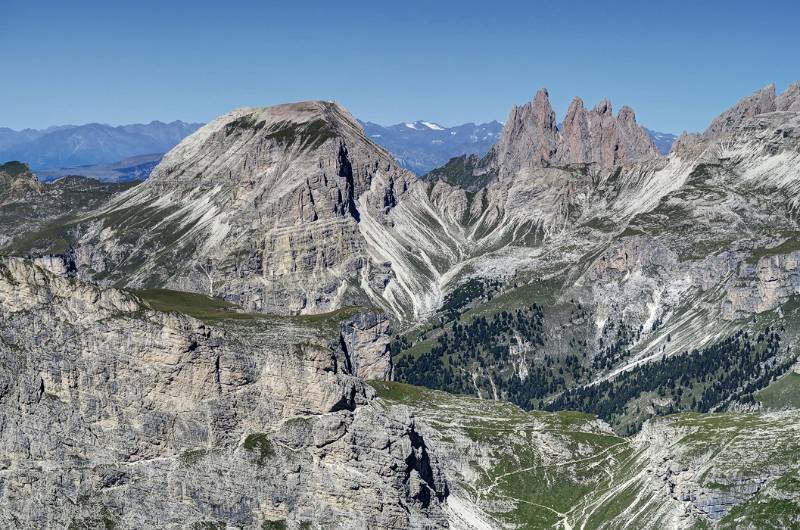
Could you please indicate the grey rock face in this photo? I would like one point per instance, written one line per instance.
(575, 134)
(112, 413)
(761, 102)
(531, 136)
(765, 286)
(261, 206)
(17, 183)
(790, 99)
(365, 340)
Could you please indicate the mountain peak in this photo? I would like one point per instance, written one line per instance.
(542, 95)
(604, 107)
(760, 102)
(285, 186)
(626, 114)
(529, 134)
(790, 99)
(531, 138)
(303, 126)
(16, 181)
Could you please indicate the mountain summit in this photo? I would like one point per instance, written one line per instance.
(269, 198)
(531, 136)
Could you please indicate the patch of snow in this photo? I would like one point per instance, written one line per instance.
(433, 126)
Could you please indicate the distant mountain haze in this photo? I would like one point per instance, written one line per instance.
(423, 145)
(662, 140)
(90, 144)
(105, 152)
(127, 170)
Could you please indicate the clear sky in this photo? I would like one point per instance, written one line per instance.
(676, 63)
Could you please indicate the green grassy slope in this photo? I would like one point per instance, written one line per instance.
(566, 470)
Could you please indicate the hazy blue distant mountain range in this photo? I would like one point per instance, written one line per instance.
(422, 145)
(127, 170)
(663, 141)
(90, 144)
(130, 152)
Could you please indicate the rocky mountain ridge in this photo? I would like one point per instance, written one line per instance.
(118, 414)
(194, 192)
(762, 101)
(132, 417)
(531, 136)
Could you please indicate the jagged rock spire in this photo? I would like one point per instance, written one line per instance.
(529, 135)
(604, 107)
(575, 133)
(531, 138)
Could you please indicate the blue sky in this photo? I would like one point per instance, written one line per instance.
(676, 63)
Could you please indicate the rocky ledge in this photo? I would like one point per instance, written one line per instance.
(113, 414)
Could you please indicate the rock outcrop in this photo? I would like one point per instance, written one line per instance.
(261, 206)
(760, 102)
(115, 414)
(531, 136)
(365, 340)
(17, 183)
(765, 286)
(789, 101)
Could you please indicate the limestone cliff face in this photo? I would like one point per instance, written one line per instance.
(765, 286)
(112, 413)
(574, 134)
(695, 482)
(365, 340)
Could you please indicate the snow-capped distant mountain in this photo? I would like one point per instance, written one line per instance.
(662, 140)
(424, 145)
(93, 143)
